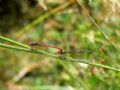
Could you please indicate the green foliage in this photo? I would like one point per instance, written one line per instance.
(69, 29)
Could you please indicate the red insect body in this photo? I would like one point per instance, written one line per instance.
(60, 51)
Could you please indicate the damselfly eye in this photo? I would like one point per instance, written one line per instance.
(60, 51)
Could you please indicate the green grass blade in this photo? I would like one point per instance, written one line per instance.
(14, 42)
(57, 56)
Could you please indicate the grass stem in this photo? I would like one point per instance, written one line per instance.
(14, 42)
(57, 56)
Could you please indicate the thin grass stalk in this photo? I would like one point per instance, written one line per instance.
(40, 52)
(14, 42)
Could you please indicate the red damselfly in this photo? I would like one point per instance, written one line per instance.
(59, 50)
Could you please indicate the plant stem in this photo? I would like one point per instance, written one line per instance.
(26, 50)
(57, 56)
(98, 27)
(14, 42)
(87, 62)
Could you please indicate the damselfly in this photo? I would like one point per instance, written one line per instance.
(59, 50)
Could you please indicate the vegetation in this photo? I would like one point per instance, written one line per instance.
(88, 27)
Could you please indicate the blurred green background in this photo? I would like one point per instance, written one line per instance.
(69, 28)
